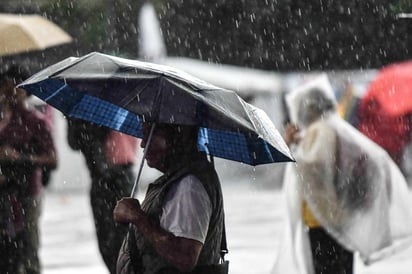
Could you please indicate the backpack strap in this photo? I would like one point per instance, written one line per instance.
(134, 252)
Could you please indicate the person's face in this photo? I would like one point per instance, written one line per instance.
(159, 147)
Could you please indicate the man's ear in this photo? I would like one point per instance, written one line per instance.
(169, 143)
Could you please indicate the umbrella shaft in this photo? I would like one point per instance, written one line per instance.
(132, 194)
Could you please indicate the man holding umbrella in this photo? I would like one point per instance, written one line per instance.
(179, 226)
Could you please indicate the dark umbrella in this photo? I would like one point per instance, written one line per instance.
(121, 94)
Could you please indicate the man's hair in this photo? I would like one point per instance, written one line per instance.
(180, 134)
(183, 138)
(16, 73)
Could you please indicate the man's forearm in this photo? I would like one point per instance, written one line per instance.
(182, 253)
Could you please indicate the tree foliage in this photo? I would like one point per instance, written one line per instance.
(268, 34)
(285, 34)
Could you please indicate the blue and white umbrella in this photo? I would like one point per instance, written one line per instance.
(120, 94)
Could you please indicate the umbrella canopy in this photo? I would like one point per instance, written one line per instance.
(21, 33)
(392, 89)
(385, 108)
(121, 93)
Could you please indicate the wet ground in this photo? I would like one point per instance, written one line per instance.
(253, 219)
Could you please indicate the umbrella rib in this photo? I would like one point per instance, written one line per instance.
(157, 98)
(128, 100)
(54, 93)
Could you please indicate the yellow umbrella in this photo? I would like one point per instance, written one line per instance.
(22, 33)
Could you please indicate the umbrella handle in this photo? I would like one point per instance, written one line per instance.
(149, 139)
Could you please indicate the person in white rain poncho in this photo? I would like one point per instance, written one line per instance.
(343, 195)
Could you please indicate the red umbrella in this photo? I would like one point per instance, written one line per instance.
(392, 89)
(385, 109)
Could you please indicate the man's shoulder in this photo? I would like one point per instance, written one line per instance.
(188, 182)
(35, 117)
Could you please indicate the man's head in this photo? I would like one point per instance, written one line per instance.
(170, 144)
(9, 94)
